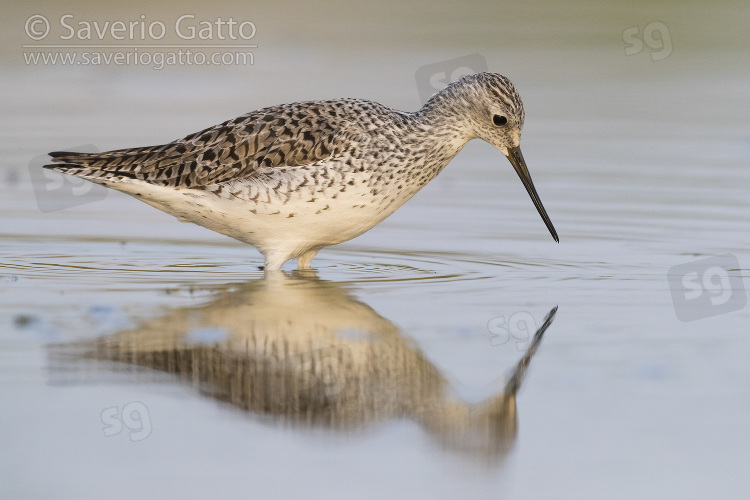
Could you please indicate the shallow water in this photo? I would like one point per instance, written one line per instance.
(144, 357)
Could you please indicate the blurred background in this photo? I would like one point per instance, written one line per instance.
(638, 141)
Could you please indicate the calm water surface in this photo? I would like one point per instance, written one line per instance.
(144, 357)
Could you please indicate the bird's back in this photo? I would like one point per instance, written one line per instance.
(287, 135)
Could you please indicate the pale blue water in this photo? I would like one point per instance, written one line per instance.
(640, 163)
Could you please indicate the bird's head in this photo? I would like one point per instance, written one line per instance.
(492, 111)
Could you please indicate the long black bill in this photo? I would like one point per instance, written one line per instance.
(516, 159)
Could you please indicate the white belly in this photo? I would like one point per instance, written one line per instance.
(290, 225)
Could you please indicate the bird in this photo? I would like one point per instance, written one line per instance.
(294, 178)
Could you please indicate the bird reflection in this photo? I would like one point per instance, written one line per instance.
(305, 351)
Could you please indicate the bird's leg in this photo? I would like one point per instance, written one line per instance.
(304, 260)
(273, 261)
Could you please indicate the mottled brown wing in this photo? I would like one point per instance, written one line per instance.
(281, 136)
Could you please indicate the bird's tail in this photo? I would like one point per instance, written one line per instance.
(78, 164)
(120, 165)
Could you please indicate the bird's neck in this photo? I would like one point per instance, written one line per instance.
(443, 123)
(430, 139)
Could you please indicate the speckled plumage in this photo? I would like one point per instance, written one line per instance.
(294, 178)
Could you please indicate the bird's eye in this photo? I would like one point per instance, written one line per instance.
(499, 120)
